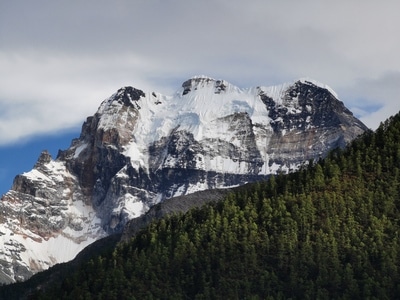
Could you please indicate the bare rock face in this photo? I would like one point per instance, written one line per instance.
(44, 220)
(315, 124)
(141, 148)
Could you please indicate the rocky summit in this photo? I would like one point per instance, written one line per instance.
(142, 147)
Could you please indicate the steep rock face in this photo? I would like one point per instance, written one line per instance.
(310, 114)
(140, 148)
(44, 220)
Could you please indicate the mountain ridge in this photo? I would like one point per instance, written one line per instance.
(141, 148)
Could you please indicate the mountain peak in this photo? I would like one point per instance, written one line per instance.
(315, 83)
(139, 149)
(126, 99)
(202, 81)
(128, 95)
(199, 79)
(44, 158)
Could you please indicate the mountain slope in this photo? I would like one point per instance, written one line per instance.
(328, 231)
(141, 148)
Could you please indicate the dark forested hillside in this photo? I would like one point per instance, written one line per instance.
(328, 231)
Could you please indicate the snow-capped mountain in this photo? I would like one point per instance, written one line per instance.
(141, 147)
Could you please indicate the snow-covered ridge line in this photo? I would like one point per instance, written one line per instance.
(319, 84)
(197, 108)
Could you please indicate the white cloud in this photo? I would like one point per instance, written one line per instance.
(58, 61)
(47, 94)
(375, 98)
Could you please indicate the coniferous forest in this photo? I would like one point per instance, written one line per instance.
(329, 231)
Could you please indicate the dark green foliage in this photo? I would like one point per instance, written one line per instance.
(328, 231)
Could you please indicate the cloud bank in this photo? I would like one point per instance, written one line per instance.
(59, 60)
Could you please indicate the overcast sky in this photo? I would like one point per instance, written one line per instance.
(60, 59)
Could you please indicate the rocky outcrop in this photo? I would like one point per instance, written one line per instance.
(141, 148)
(44, 220)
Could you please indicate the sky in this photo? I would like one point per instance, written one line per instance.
(60, 59)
